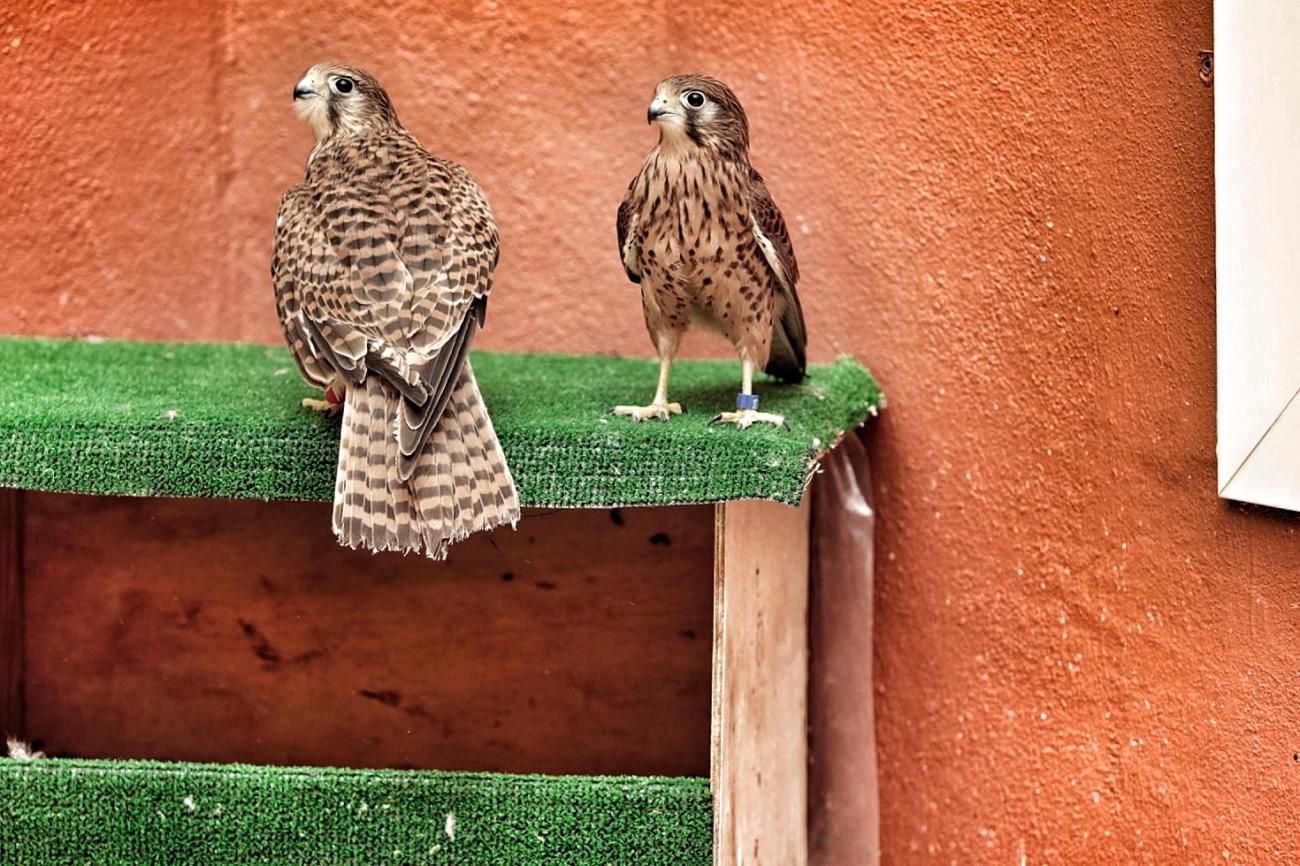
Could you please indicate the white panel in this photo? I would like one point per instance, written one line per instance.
(1257, 182)
(1271, 475)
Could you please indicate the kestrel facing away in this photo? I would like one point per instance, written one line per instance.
(383, 263)
(700, 233)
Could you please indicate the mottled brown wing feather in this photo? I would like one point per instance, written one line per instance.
(626, 218)
(292, 228)
(417, 422)
(788, 360)
(377, 273)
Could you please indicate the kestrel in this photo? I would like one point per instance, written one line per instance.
(382, 267)
(700, 233)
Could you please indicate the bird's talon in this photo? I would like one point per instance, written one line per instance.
(335, 394)
(745, 418)
(325, 407)
(661, 411)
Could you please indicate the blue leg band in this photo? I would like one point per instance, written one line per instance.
(747, 401)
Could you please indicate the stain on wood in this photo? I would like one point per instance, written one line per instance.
(388, 697)
(240, 631)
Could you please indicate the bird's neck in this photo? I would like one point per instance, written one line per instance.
(676, 162)
(681, 149)
(360, 140)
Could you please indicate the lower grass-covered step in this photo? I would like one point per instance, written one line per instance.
(133, 813)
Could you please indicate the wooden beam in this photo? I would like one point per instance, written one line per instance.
(759, 766)
(11, 615)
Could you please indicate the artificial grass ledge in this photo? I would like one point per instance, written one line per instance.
(135, 813)
(224, 420)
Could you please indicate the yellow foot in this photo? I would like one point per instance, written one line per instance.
(325, 407)
(662, 411)
(745, 417)
(331, 405)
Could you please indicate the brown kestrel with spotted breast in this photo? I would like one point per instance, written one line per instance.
(700, 233)
(383, 262)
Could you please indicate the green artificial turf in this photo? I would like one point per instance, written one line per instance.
(127, 813)
(224, 420)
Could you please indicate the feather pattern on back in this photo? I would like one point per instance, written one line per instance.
(383, 262)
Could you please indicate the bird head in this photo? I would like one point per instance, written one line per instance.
(699, 111)
(342, 101)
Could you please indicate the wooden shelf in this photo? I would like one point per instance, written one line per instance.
(222, 421)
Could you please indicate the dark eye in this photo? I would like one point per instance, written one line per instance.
(694, 99)
(343, 85)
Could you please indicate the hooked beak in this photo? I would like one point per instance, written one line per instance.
(657, 109)
(303, 89)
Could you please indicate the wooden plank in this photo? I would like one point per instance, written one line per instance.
(240, 631)
(11, 615)
(759, 765)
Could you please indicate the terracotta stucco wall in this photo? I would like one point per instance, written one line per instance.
(1004, 208)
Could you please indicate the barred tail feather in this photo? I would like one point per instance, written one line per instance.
(460, 483)
(401, 512)
(473, 491)
(361, 490)
(351, 482)
(497, 503)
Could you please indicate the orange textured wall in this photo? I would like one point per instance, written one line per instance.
(1004, 208)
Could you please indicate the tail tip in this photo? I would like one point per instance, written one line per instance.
(788, 372)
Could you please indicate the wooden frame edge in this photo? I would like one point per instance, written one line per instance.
(759, 746)
(12, 628)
